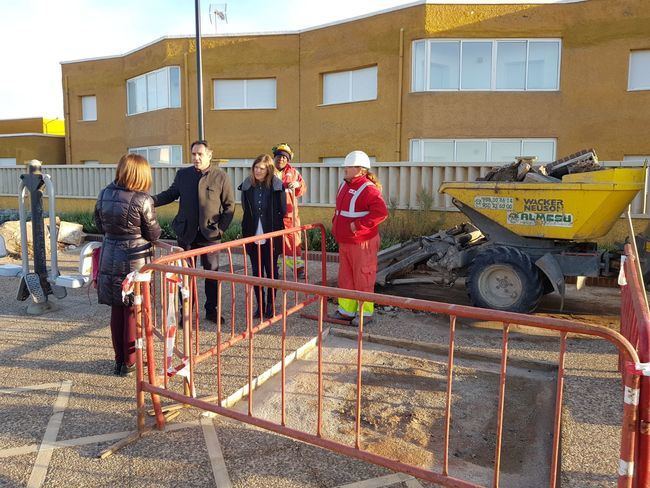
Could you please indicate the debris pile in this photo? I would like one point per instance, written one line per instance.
(524, 171)
(68, 233)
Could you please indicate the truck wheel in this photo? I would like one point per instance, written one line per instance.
(504, 278)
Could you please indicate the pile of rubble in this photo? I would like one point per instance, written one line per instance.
(68, 234)
(524, 171)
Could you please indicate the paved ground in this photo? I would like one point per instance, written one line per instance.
(61, 406)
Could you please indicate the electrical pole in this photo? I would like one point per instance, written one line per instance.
(199, 67)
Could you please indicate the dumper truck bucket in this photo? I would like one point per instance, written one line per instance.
(583, 206)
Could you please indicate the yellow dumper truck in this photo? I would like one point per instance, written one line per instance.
(524, 239)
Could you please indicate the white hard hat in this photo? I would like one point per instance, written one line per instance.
(357, 158)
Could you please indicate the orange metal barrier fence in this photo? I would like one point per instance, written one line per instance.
(175, 272)
(635, 326)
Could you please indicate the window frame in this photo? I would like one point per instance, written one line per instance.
(629, 71)
(245, 107)
(170, 97)
(493, 72)
(488, 142)
(349, 72)
(8, 162)
(81, 100)
(135, 150)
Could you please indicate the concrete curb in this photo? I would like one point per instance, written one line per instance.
(460, 352)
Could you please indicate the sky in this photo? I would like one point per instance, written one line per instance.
(37, 35)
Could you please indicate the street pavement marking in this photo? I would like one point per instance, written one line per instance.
(387, 480)
(221, 477)
(21, 389)
(412, 483)
(44, 456)
(82, 441)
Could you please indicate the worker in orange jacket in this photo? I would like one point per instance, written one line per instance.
(360, 208)
(295, 187)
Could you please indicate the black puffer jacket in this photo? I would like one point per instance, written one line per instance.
(128, 221)
(272, 212)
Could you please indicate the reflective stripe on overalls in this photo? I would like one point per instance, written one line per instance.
(347, 306)
(350, 213)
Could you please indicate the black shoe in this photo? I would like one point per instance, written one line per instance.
(212, 317)
(339, 316)
(127, 370)
(269, 313)
(117, 369)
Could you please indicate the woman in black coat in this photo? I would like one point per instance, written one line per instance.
(125, 214)
(265, 203)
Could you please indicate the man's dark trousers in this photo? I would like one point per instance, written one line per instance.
(209, 261)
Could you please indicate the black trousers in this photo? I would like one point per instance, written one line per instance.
(209, 261)
(266, 267)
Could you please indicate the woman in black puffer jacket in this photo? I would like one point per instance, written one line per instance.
(125, 214)
(265, 203)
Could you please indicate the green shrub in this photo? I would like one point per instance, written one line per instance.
(314, 240)
(166, 227)
(232, 233)
(402, 226)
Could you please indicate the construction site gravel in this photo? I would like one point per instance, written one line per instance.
(62, 406)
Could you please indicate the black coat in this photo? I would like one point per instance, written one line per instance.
(128, 221)
(206, 202)
(272, 214)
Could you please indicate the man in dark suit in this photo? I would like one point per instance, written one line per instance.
(205, 211)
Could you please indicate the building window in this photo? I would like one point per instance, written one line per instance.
(7, 161)
(350, 86)
(485, 64)
(338, 161)
(245, 94)
(480, 150)
(90, 162)
(154, 91)
(639, 76)
(89, 108)
(160, 154)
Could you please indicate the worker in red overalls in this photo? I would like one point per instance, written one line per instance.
(360, 208)
(295, 187)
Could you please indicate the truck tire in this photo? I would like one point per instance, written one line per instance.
(504, 278)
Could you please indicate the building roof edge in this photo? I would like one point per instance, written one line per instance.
(328, 24)
(31, 134)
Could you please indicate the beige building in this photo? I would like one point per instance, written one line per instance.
(429, 81)
(22, 140)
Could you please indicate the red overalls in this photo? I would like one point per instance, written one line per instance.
(361, 202)
(291, 242)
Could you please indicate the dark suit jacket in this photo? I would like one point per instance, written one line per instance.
(207, 203)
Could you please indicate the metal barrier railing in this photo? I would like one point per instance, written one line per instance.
(635, 326)
(295, 297)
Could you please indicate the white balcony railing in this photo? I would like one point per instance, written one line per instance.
(402, 181)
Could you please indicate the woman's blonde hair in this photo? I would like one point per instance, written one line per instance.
(373, 177)
(267, 161)
(133, 173)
